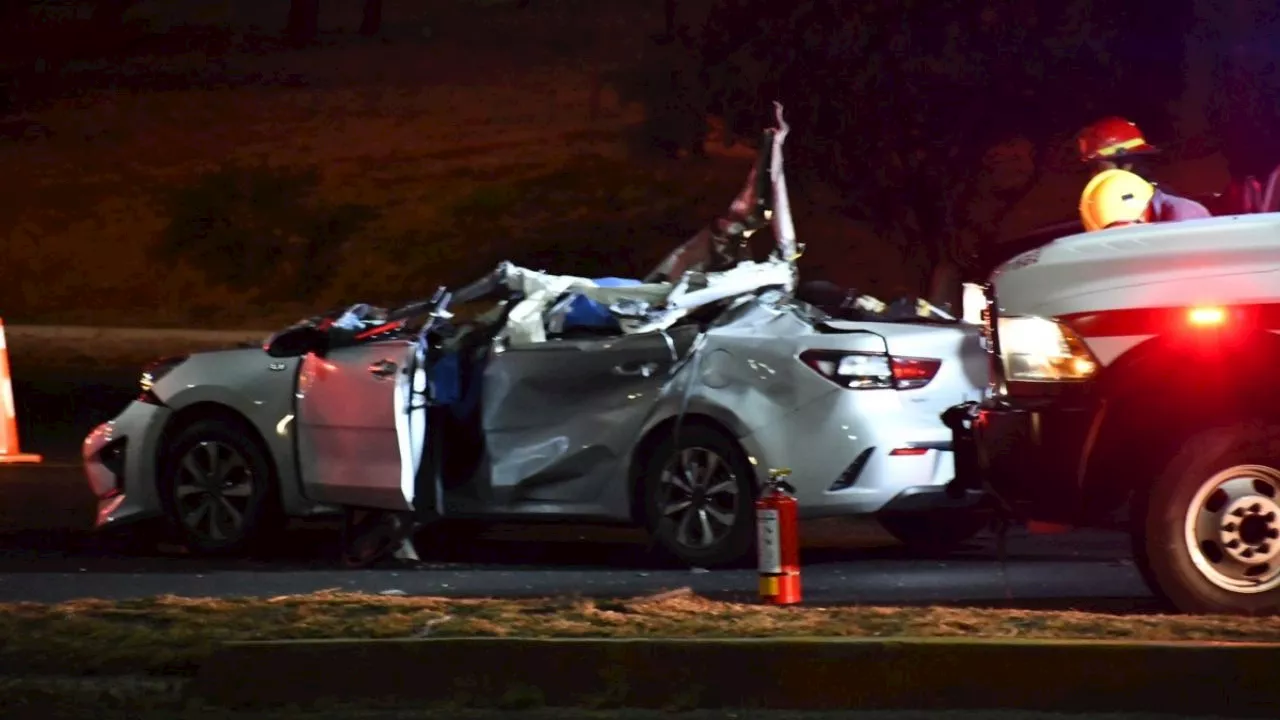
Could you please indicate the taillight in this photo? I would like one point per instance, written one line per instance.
(867, 371)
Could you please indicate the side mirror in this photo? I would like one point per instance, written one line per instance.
(296, 342)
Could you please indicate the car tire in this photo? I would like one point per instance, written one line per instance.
(727, 497)
(1206, 535)
(933, 533)
(218, 489)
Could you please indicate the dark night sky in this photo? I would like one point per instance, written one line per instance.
(896, 107)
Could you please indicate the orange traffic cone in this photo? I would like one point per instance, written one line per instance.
(9, 452)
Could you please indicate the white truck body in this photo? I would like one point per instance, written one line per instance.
(1133, 386)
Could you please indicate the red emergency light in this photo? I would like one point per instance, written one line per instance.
(1207, 316)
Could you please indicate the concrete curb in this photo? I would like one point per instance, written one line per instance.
(794, 674)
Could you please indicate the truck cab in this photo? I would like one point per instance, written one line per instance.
(1134, 386)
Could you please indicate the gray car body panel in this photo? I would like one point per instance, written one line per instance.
(255, 386)
(562, 419)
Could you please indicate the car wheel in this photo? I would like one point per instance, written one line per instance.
(934, 533)
(700, 498)
(217, 488)
(1208, 532)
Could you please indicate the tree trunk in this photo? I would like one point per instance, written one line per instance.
(371, 23)
(669, 14)
(304, 21)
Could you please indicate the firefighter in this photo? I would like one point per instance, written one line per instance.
(1118, 197)
(1114, 143)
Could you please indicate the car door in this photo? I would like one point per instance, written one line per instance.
(358, 443)
(560, 416)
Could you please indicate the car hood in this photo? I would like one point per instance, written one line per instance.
(1221, 259)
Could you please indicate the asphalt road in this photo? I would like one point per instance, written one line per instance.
(46, 554)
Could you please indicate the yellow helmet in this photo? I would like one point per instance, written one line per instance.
(1115, 197)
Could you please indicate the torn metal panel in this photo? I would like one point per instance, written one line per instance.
(784, 231)
(527, 322)
(559, 417)
(763, 200)
(710, 267)
(640, 308)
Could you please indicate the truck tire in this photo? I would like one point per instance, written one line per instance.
(1207, 534)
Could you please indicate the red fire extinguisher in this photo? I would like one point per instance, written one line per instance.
(778, 539)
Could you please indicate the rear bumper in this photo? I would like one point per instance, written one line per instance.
(853, 452)
(1027, 454)
(933, 499)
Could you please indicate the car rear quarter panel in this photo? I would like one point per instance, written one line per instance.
(962, 375)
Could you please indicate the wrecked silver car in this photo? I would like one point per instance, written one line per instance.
(663, 402)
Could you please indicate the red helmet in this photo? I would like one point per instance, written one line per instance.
(1112, 137)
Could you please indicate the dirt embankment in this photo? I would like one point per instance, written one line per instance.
(209, 175)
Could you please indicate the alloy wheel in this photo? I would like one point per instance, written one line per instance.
(214, 489)
(700, 496)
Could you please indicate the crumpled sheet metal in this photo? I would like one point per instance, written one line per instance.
(562, 414)
(526, 323)
(654, 306)
(746, 277)
(784, 231)
(648, 307)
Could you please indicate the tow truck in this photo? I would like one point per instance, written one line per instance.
(1133, 386)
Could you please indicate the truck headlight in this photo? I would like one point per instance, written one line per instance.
(1038, 349)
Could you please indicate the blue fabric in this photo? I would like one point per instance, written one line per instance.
(587, 313)
(445, 379)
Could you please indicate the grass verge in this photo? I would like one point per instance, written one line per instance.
(171, 636)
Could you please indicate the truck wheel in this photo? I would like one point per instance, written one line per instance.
(1209, 530)
(700, 499)
(934, 533)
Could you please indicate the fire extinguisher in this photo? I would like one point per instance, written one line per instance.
(778, 540)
